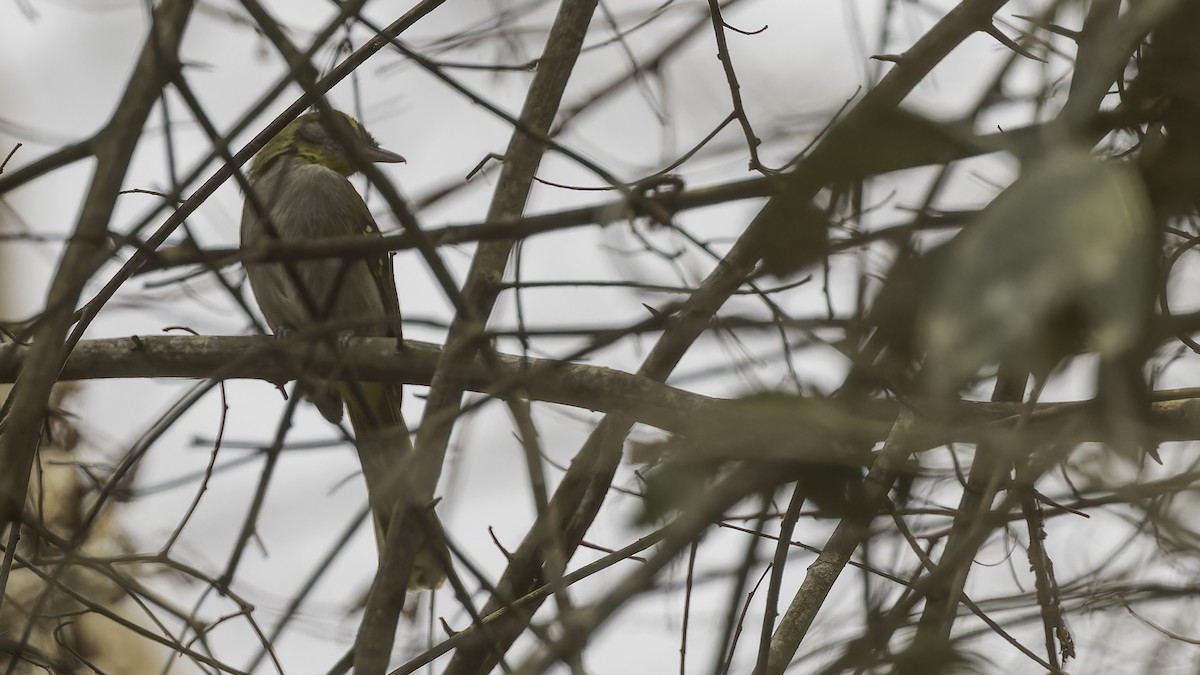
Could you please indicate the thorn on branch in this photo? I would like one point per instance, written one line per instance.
(890, 58)
(1051, 27)
(505, 552)
(1044, 499)
(655, 312)
(1011, 44)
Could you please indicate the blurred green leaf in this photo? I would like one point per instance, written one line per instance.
(880, 140)
(1060, 262)
(791, 437)
(939, 658)
(796, 234)
(794, 230)
(775, 426)
(673, 486)
(907, 289)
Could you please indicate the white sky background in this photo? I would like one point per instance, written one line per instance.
(63, 66)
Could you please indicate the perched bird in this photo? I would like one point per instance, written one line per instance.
(301, 191)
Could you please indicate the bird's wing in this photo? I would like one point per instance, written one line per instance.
(381, 268)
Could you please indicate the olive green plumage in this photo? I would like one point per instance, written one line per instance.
(300, 178)
(301, 191)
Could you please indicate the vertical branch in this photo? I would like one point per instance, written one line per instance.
(482, 286)
(483, 283)
(782, 546)
(849, 534)
(989, 469)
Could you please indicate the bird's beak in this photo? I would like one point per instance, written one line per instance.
(375, 153)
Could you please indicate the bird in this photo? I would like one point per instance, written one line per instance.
(301, 190)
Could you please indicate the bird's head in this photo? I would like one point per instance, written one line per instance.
(309, 139)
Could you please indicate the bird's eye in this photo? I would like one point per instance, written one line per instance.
(309, 133)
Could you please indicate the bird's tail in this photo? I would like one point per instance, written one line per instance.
(381, 436)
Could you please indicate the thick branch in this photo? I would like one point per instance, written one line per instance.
(1176, 415)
